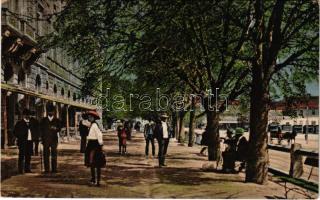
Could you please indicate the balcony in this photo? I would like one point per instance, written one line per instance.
(18, 25)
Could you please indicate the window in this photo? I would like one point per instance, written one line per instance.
(301, 113)
(62, 92)
(38, 82)
(47, 85)
(8, 71)
(21, 77)
(55, 88)
(313, 112)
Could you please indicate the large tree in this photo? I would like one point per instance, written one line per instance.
(285, 36)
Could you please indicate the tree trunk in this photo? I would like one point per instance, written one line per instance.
(177, 128)
(174, 123)
(181, 127)
(258, 159)
(213, 135)
(192, 123)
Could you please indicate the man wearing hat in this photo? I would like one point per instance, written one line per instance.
(242, 147)
(162, 134)
(26, 131)
(50, 127)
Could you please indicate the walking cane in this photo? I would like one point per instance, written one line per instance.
(40, 158)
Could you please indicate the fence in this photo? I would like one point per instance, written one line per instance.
(296, 160)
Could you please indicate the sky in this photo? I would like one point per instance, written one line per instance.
(313, 88)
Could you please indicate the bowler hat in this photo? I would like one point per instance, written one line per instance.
(164, 116)
(94, 114)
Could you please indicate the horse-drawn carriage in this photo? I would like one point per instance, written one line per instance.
(283, 132)
(275, 132)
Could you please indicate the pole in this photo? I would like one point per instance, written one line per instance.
(67, 122)
(307, 125)
(41, 167)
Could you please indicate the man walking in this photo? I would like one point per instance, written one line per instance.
(26, 131)
(50, 128)
(149, 137)
(162, 134)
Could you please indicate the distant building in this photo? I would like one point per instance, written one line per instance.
(303, 112)
(31, 77)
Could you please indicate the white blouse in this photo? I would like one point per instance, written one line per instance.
(95, 133)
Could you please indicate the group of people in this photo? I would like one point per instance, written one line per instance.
(158, 129)
(161, 131)
(236, 150)
(29, 132)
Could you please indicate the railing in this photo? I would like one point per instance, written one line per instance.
(296, 160)
(11, 19)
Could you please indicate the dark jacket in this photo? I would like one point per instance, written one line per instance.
(83, 129)
(158, 131)
(49, 130)
(21, 131)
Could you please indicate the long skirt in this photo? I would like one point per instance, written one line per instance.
(94, 156)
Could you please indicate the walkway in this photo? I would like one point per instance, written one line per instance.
(136, 176)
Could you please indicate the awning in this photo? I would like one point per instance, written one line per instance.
(16, 89)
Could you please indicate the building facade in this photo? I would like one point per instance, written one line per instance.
(31, 77)
(304, 112)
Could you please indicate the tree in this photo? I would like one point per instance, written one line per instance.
(201, 49)
(285, 34)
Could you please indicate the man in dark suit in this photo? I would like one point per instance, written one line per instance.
(26, 131)
(50, 128)
(162, 134)
(84, 126)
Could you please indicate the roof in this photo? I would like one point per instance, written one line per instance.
(13, 88)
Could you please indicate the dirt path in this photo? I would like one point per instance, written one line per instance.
(136, 176)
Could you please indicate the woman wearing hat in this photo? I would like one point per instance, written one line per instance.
(94, 149)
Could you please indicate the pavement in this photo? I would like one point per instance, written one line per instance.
(137, 176)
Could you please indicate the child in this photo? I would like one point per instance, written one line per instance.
(124, 140)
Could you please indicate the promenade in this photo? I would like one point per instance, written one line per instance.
(135, 176)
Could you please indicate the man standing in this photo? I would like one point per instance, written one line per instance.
(148, 136)
(25, 130)
(84, 126)
(119, 131)
(50, 128)
(162, 135)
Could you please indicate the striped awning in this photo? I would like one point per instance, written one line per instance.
(19, 90)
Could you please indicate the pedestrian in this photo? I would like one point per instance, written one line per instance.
(124, 135)
(128, 128)
(149, 137)
(25, 131)
(119, 131)
(241, 148)
(306, 132)
(94, 157)
(50, 127)
(204, 141)
(84, 131)
(162, 130)
(279, 135)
